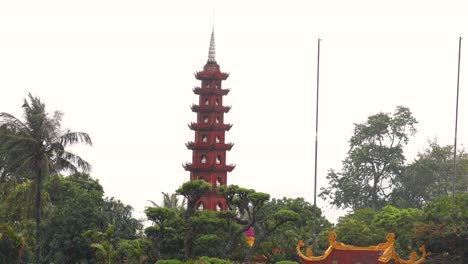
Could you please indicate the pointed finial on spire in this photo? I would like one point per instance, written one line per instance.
(211, 52)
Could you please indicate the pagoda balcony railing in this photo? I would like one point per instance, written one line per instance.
(208, 146)
(210, 91)
(210, 108)
(210, 126)
(208, 167)
(211, 75)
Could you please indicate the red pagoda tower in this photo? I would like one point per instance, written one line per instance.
(209, 148)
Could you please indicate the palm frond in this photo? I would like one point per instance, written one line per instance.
(9, 140)
(60, 164)
(22, 165)
(36, 117)
(75, 160)
(55, 147)
(70, 138)
(153, 203)
(101, 250)
(9, 122)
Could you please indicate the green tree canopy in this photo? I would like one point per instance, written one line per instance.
(430, 176)
(366, 227)
(444, 229)
(192, 191)
(37, 147)
(244, 206)
(77, 205)
(164, 220)
(374, 160)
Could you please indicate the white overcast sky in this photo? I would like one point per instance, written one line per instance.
(123, 72)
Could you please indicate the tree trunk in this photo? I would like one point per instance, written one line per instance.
(158, 243)
(189, 240)
(258, 240)
(229, 245)
(232, 239)
(189, 236)
(374, 193)
(38, 217)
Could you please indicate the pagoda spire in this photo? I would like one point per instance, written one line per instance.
(211, 51)
(209, 148)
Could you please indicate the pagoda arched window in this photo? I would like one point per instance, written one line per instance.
(203, 159)
(217, 102)
(204, 138)
(218, 119)
(208, 86)
(201, 207)
(219, 182)
(207, 102)
(218, 207)
(205, 119)
(218, 159)
(218, 139)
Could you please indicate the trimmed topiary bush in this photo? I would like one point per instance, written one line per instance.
(169, 261)
(207, 260)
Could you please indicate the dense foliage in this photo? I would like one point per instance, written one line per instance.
(375, 158)
(36, 148)
(48, 217)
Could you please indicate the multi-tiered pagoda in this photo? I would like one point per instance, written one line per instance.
(209, 148)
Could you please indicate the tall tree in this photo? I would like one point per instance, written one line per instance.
(37, 147)
(309, 225)
(244, 205)
(268, 224)
(375, 158)
(76, 206)
(430, 176)
(192, 191)
(162, 217)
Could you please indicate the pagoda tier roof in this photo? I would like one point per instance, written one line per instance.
(210, 108)
(338, 252)
(208, 167)
(211, 75)
(209, 146)
(210, 91)
(210, 126)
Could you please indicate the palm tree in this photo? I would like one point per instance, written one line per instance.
(104, 243)
(171, 201)
(37, 148)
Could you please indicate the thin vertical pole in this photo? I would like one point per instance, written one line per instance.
(316, 120)
(454, 176)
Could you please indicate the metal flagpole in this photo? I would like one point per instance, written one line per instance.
(454, 176)
(316, 121)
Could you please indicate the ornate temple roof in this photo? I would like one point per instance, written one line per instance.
(210, 108)
(339, 253)
(209, 146)
(206, 91)
(210, 126)
(208, 167)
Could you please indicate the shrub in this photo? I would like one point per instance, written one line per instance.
(169, 261)
(207, 260)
